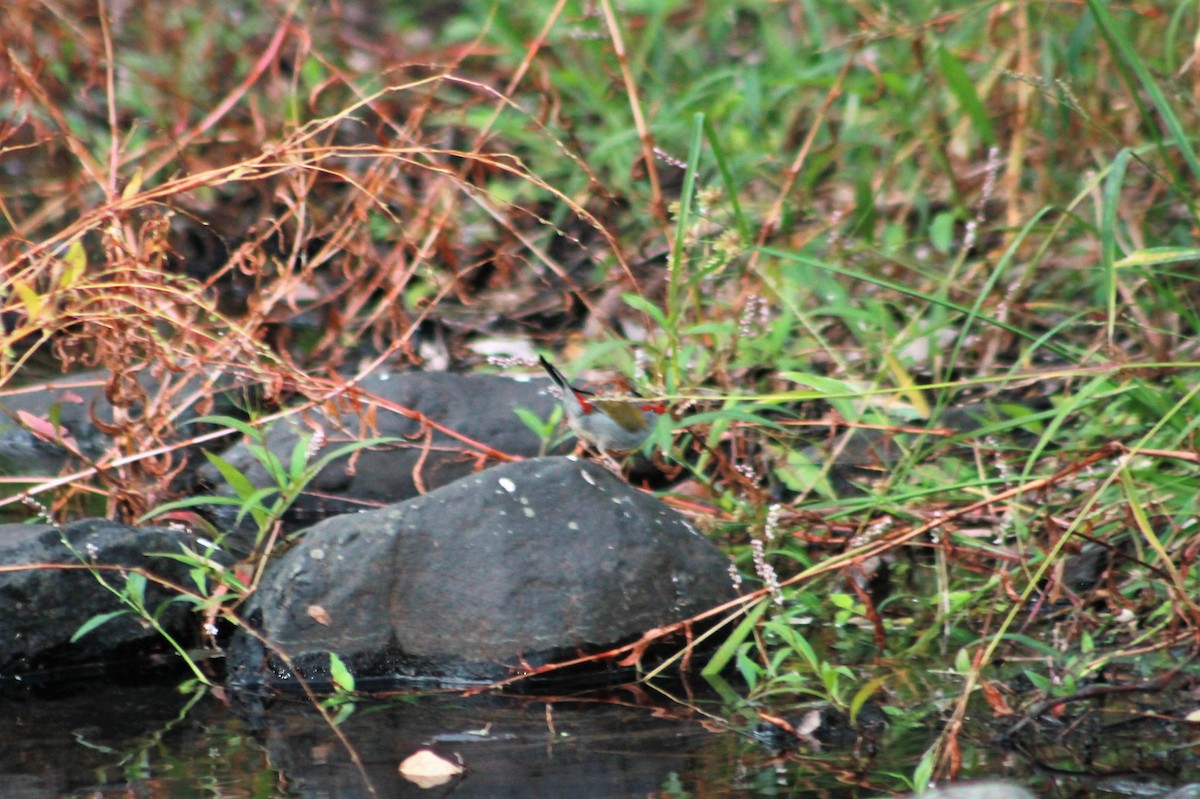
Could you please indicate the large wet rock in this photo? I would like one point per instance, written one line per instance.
(526, 563)
(44, 604)
(479, 408)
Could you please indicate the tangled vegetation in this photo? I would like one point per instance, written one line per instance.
(919, 279)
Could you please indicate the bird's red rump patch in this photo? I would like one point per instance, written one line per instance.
(589, 407)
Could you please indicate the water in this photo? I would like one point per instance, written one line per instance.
(146, 739)
(110, 740)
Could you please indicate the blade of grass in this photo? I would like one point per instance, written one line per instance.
(682, 222)
(725, 653)
(710, 133)
(1128, 59)
(960, 85)
(1110, 202)
(912, 292)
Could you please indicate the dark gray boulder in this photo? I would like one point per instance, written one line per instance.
(524, 564)
(44, 605)
(479, 407)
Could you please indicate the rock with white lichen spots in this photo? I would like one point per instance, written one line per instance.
(529, 563)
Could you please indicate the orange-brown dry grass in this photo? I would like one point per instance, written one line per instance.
(190, 250)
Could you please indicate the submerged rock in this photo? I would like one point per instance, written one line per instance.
(524, 564)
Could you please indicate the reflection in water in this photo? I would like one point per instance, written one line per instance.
(102, 739)
(112, 740)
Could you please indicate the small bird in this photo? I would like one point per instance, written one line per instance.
(611, 425)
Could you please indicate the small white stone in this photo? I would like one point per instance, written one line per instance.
(530, 513)
(317, 554)
(587, 477)
(507, 485)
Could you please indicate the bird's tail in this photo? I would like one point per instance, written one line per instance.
(555, 375)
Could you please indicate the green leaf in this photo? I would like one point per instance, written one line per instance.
(799, 644)
(343, 680)
(33, 302)
(647, 307)
(299, 456)
(232, 476)
(727, 650)
(270, 462)
(747, 667)
(864, 693)
(188, 502)
(96, 621)
(135, 588)
(840, 600)
(344, 450)
(1151, 256)
(924, 772)
(959, 83)
(1128, 57)
(788, 256)
(75, 264)
(1040, 681)
(199, 576)
(1110, 204)
(824, 386)
(217, 420)
(257, 507)
(543, 428)
(941, 232)
(345, 710)
(801, 474)
(731, 190)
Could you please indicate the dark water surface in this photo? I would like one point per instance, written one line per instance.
(104, 740)
(150, 740)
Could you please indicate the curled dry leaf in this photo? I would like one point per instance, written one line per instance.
(47, 430)
(319, 615)
(427, 769)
